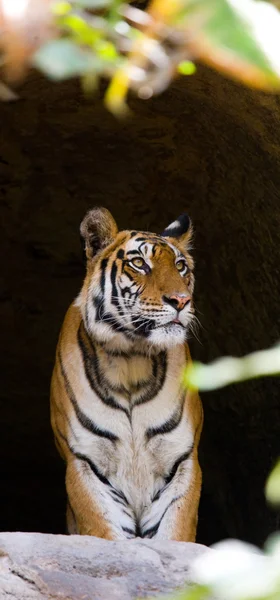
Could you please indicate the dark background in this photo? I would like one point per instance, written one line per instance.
(206, 146)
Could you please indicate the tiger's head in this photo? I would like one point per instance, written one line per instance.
(139, 285)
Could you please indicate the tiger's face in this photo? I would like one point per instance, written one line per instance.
(139, 285)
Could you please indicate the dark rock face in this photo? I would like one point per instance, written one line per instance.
(206, 146)
(40, 567)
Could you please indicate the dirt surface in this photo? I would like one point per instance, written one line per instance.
(206, 146)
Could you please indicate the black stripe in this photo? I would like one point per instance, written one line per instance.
(145, 326)
(128, 274)
(127, 290)
(125, 512)
(99, 385)
(129, 531)
(120, 253)
(148, 239)
(119, 501)
(168, 425)
(120, 495)
(103, 267)
(83, 419)
(124, 353)
(91, 363)
(93, 467)
(159, 375)
(168, 478)
(151, 532)
(115, 324)
(176, 465)
(114, 300)
(98, 301)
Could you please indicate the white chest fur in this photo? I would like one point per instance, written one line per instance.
(137, 404)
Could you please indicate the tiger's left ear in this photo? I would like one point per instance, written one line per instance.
(181, 229)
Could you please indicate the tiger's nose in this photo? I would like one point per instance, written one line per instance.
(177, 301)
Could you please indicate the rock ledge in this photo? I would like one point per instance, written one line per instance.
(36, 566)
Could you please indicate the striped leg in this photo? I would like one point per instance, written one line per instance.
(173, 513)
(94, 507)
(181, 523)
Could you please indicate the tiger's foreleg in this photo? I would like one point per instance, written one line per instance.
(94, 506)
(174, 510)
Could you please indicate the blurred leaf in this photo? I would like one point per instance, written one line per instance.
(60, 59)
(272, 547)
(116, 93)
(236, 36)
(186, 67)
(237, 570)
(272, 488)
(60, 9)
(227, 370)
(89, 83)
(93, 4)
(107, 51)
(83, 32)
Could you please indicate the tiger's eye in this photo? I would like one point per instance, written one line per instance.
(138, 262)
(181, 265)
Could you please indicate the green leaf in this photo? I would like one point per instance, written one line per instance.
(227, 370)
(60, 9)
(186, 67)
(229, 35)
(116, 93)
(82, 31)
(60, 59)
(106, 51)
(272, 488)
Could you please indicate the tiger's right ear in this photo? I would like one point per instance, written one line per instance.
(98, 229)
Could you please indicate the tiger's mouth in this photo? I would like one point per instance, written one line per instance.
(177, 322)
(150, 325)
(172, 322)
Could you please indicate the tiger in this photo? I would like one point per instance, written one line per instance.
(123, 420)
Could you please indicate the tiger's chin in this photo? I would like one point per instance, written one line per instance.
(168, 335)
